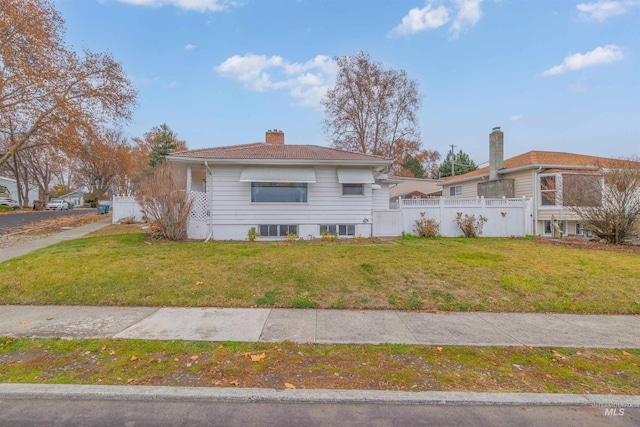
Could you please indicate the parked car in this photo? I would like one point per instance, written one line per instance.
(57, 204)
(5, 201)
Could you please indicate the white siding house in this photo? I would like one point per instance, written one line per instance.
(282, 189)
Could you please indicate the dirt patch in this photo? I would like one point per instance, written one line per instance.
(588, 245)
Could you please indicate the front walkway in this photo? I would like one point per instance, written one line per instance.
(322, 326)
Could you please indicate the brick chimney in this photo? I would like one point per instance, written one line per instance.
(275, 137)
(496, 153)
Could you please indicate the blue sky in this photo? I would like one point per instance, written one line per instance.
(555, 75)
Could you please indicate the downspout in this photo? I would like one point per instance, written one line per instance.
(535, 200)
(209, 221)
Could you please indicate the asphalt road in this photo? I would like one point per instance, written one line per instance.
(39, 412)
(20, 219)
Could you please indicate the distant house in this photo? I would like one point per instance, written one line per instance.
(544, 176)
(412, 188)
(9, 188)
(75, 198)
(280, 189)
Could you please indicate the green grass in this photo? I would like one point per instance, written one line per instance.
(385, 367)
(459, 274)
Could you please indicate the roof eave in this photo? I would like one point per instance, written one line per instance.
(520, 168)
(279, 162)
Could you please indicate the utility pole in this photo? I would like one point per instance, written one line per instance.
(453, 160)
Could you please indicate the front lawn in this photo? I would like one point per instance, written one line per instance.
(513, 275)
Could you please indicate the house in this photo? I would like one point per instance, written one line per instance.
(75, 198)
(545, 176)
(282, 190)
(413, 188)
(9, 188)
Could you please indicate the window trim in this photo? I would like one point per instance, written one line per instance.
(456, 190)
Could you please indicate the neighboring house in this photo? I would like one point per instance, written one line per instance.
(12, 188)
(76, 198)
(544, 176)
(412, 188)
(282, 189)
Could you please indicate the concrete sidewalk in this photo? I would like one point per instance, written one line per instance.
(322, 326)
(24, 248)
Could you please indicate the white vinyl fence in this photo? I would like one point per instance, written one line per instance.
(125, 207)
(506, 217)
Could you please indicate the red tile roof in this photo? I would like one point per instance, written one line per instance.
(259, 150)
(549, 159)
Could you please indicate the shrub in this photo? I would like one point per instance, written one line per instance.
(427, 227)
(328, 236)
(163, 199)
(469, 224)
(252, 234)
(292, 237)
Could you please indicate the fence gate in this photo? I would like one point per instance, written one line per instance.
(387, 223)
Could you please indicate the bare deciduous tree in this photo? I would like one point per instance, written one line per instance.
(48, 93)
(608, 201)
(372, 109)
(163, 199)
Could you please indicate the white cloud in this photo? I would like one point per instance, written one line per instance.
(603, 9)
(437, 13)
(197, 5)
(469, 14)
(190, 46)
(600, 55)
(307, 82)
(423, 19)
(515, 118)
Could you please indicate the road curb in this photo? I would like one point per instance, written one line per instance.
(164, 393)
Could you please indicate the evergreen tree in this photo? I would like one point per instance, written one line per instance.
(163, 142)
(463, 164)
(412, 164)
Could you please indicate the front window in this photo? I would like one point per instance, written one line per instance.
(455, 191)
(581, 190)
(352, 189)
(548, 191)
(278, 192)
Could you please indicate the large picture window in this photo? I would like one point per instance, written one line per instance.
(278, 192)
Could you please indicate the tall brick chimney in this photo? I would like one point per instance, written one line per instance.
(496, 153)
(275, 137)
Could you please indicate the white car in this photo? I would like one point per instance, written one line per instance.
(5, 201)
(57, 204)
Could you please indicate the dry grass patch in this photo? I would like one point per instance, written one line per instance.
(379, 367)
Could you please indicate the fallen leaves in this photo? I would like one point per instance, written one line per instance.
(257, 357)
(25, 322)
(133, 358)
(289, 385)
(235, 382)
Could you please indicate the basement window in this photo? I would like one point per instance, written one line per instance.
(339, 229)
(277, 230)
